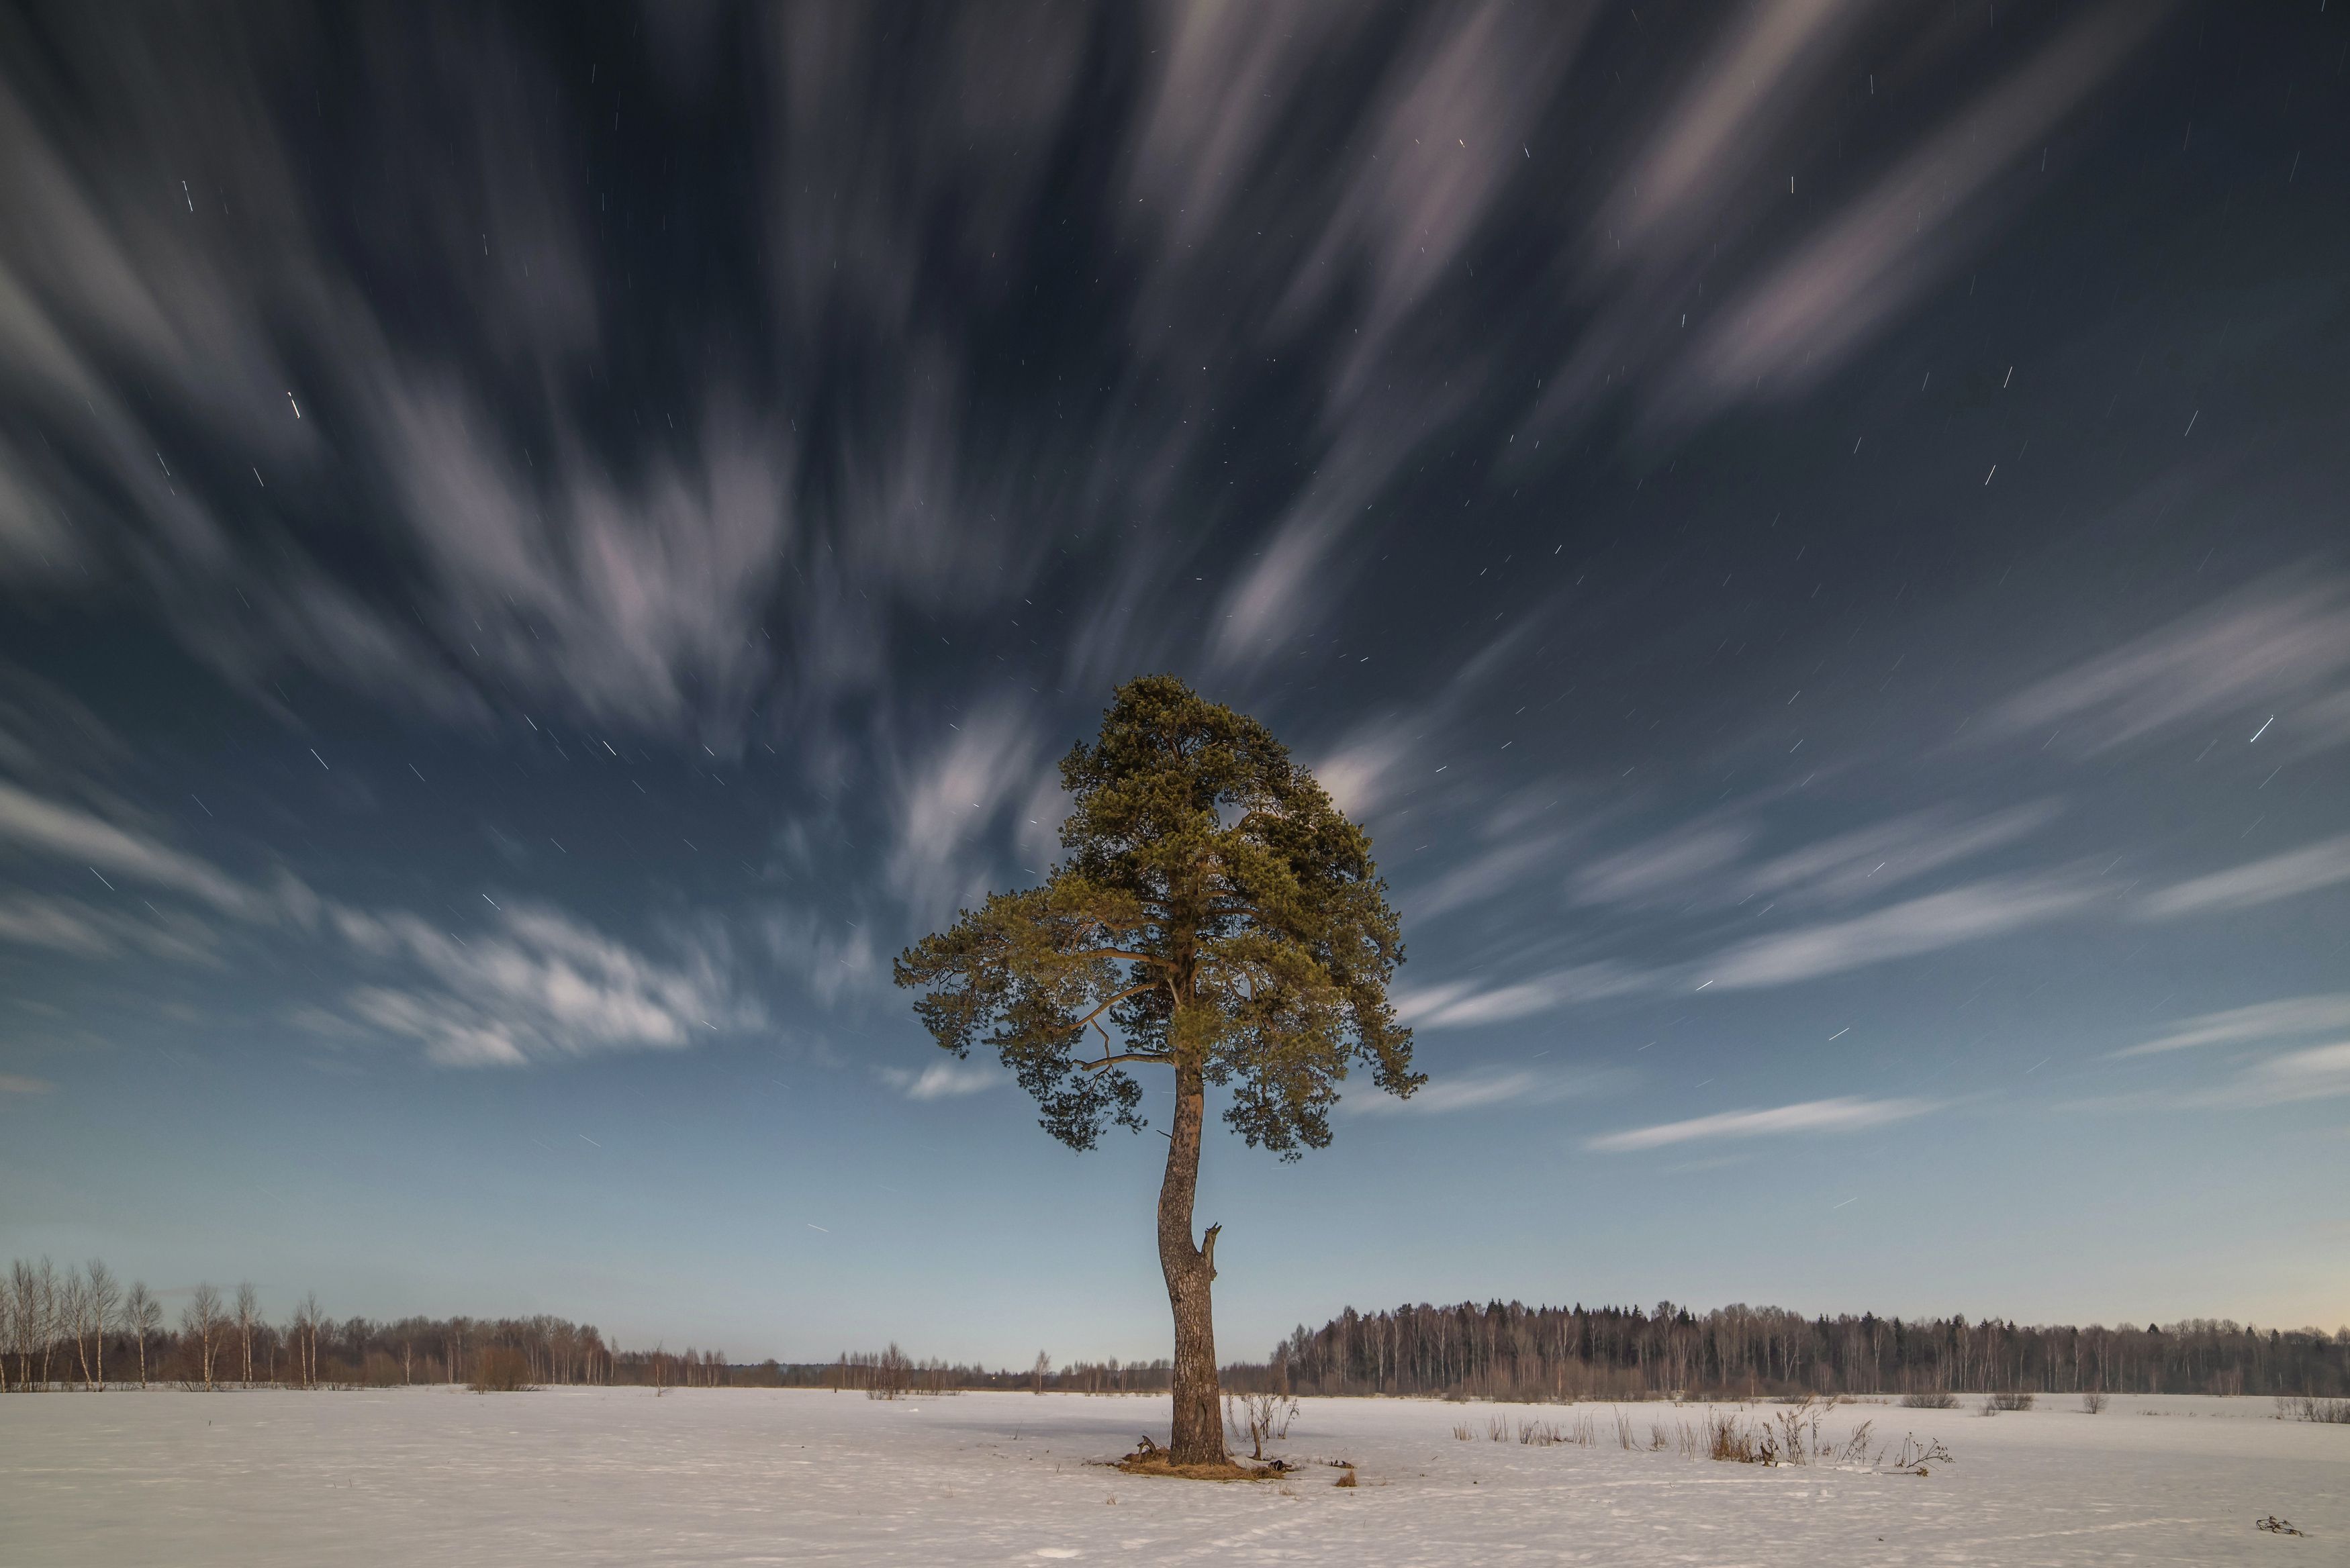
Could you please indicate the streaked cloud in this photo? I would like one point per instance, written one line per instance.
(943, 803)
(2261, 1021)
(1483, 1088)
(18, 1084)
(1751, 84)
(1870, 860)
(634, 603)
(67, 833)
(833, 958)
(77, 928)
(1845, 1114)
(1843, 284)
(538, 985)
(1713, 861)
(2277, 651)
(1664, 868)
(942, 1080)
(1362, 771)
(2312, 866)
(1418, 184)
(1464, 1004)
(2317, 1073)
(1976, 912)
(1484, 876)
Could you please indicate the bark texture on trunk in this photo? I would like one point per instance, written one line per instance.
(1199, 1435)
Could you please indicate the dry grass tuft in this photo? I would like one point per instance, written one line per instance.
(2306, 1408)
(1732, 1441)
(1150, 1460)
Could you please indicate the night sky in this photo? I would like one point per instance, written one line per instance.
(539, 549)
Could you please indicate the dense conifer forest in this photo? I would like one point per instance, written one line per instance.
(1515, 1351)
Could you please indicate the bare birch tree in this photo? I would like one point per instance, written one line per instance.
(142, 1315)
(248, 1313)
(44, 1313)
(73, 1317)
(11, 1338)
(203, 1321)
(105, 1294)
(307, 1319)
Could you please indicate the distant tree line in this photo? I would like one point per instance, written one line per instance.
(887, 1374)
(84, 1328)
(81, 1327)
(1515, 1351)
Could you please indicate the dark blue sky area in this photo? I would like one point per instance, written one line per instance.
(538, 550)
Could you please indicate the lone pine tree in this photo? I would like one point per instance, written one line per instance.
(1214, 915)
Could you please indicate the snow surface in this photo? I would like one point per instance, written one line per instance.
(619, 1475)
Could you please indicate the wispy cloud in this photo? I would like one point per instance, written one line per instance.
(2324, 864)
(1972, 913)
(1869, 860)
(1663, 867)
(2279, 649)
(1463, 1004)
(1712, 861)
(74, 926)
(942, 1080)
(538, 985)
(1483, 1087)
(635, 604)
(1842, 1115)
(1874, 257)
(1751, 85)
(947, 800)
(1483, 875)
(1469, 85)
(2277, 1020)
(832, 957)
(2318, 1073)
(1362, 771)
(16, 1084)
(67, 833)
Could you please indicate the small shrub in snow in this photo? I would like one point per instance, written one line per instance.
(1930, 1399)
(2306, 1408)
(2093, 1401)
(1258, 1416)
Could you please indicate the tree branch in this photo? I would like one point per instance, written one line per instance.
(1127, 1056)
(1113, 1001)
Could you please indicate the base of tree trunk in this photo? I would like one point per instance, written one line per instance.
(1150, 1459)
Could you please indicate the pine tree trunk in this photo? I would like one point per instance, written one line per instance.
(1199, 1435)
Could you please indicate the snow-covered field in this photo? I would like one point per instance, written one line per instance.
(619, 1476)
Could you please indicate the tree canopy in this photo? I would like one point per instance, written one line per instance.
(1214, 912)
